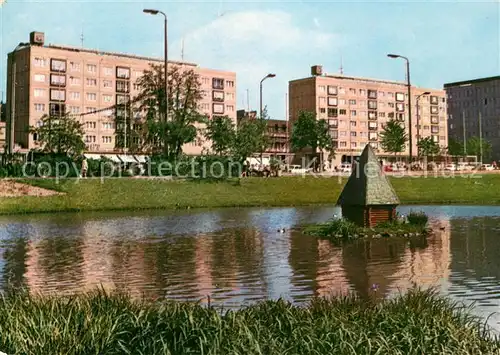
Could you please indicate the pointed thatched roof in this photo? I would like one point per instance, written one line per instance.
(367, 184)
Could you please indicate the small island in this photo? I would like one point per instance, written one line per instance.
(340, 230)
(368, 202)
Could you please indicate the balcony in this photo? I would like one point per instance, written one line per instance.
(57, 80)
(123, 73)
(372, 94)
(218, 83)
(58, 65)
(122, 86)
(218, 96)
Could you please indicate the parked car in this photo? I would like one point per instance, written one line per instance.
(345, 168)
(450, 167)
(298, 170)
(487, 167)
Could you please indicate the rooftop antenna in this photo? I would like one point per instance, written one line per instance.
(182, 49)
(81, 36)
(341, 66)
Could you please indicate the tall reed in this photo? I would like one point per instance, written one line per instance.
(419, 322)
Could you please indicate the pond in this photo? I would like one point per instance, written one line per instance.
(238, 256)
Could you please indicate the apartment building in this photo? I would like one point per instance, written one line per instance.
(277, 133)
(474, 111)
(94, 86)
(358, 108)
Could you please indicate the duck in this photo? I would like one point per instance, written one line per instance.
(282, 230)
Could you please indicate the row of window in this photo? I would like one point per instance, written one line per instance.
(60, 80)
(92, 139)
(334, 123)
(60, 65)
(334, 112)
(400, 106)
(218, 95)
(206, 107)
(217, 83)
(60, 95)
(374, 94)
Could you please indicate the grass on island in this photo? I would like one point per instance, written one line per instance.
(129, 193)
(340, 230)
(419, 322)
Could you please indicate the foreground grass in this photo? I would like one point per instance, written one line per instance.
(419, 322)
(127, 193)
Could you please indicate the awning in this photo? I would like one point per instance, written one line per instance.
(256, 161)
(113, 158)
(127, 158)
(92, 156)
(140, 158)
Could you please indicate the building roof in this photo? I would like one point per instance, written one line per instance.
(474, 81)
(98, 52)
(368, 185)
(353, 78)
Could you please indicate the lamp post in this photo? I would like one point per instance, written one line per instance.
(165, 39)
(418, 118)
(408, 83)
(266, 77)
(270, 75)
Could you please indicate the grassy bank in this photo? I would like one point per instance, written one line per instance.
(127, 193)
(419, 322)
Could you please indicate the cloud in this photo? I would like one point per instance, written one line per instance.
(316, 22)
(254, 43)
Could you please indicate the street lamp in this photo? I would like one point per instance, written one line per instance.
(418, 118)
(270, 75)
(409, 98)
(165, 39)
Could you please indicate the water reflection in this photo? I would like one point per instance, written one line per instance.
(238, 256)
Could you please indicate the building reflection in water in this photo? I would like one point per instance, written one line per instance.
(381, 267)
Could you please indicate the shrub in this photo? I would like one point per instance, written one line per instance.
(336, 230)
(417, 218)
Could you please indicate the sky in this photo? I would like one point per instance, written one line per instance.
(445, 41)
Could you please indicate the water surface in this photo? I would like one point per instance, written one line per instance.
(237, 256)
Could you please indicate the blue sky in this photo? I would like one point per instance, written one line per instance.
(445, 41)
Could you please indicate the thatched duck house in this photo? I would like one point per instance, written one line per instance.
(368, 197)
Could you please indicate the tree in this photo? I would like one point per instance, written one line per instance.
(184, 95)
(393, 137)
(427, 146)
(455, 147)
(308, 132)
(474, 147)
(220, 131)
(60, 134)
(249, 138)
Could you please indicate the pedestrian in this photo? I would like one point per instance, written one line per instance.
(85, 166)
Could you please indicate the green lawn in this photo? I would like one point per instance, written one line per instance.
(128, 193)
(419, 322)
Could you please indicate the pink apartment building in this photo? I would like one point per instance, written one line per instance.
(88, 84)
(357, 109)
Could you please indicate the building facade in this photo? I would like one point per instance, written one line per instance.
(358, 108)
(89, 84)
(277, 133)
(474, 111)
(2, 136)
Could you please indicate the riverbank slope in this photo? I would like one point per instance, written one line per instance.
(419, 322)
(134, 194)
